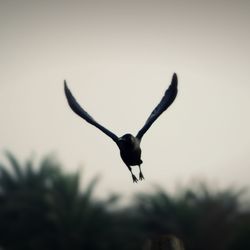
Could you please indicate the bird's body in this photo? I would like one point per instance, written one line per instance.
(128, 144)
(130, 152)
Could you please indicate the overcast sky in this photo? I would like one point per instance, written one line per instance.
(118, 58)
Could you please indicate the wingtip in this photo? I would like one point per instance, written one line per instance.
(175, 79)
(66, 88)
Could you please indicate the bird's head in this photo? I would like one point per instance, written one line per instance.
(128, 141)
(127, 138)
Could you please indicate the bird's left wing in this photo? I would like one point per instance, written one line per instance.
(82, 113)
(165, 102)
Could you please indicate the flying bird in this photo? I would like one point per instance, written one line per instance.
(128, 144)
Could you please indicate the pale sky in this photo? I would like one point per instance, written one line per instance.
(118, 58)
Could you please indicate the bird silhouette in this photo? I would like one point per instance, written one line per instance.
(128, 144)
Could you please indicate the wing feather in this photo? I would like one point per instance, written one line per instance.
(82, 113)
(165, 102)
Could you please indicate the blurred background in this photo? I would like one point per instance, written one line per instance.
(118, 58)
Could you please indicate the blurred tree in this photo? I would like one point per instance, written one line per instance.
(24, 207)
(241, 239)
(203, 219)
(43, 208)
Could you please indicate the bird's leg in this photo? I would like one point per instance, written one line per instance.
(141, 177)
(133, 176)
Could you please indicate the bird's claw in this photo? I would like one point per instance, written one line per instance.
(141, 177)
(134, 178)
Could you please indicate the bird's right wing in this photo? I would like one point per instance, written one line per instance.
(165, 102)
(82, 113)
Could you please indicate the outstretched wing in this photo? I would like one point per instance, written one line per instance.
(165, 102)
(82, 113)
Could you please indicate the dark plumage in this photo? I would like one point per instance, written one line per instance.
(129, 145)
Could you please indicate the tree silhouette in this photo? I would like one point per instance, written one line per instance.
(43, 208)
(203, 219)
(24, 193)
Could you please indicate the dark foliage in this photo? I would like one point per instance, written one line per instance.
(43, 208)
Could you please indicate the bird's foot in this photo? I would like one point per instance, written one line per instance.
(141, 177)
(134, 178)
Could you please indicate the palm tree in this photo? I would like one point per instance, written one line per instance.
(42, 208)
(202, 218)
(25, 191)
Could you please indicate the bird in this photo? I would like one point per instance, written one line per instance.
(129, 145)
